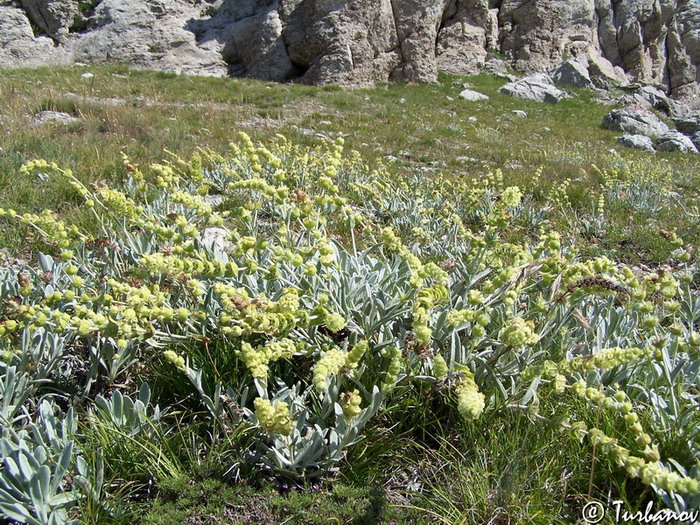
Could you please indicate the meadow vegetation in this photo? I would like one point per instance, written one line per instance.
(427, 317)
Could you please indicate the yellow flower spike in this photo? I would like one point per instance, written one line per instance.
(273, 418)
(175, 359)
(470, 402)
(328, 366)
(350, 404)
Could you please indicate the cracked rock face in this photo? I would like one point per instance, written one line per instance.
(19, 47)
(361, 42)
(53, 17)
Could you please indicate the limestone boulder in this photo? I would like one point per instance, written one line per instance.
(259, 47)
(572, 73)
(675, 141)
(688, 125)
(538, 87)
(352, 43)
(640, 142)
(468, 32)
(150, 34)
(472, 96)
(635, 120)
(603, 74)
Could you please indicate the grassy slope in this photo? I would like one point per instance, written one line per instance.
(425, 127)
(511, 474)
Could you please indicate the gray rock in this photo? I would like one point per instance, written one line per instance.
(695, 138)
(360, 42)
(216, 239)
(572, 73)
(675, 141)
(57, 117)
(150, 34)
(260, 48)
(499, 68)
(653, 97)
(472, 96)
(53, 17)
(214, 200)
(469, 30)
(688, 125)
(18, 45)
(640, 142)
(654, 41)
(538, 35)
(316, 35)
(538, 87)
(634, 120)
(519, 113)
(603, 74)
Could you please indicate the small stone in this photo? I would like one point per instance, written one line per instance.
(214, 200)
(519, 113)
(54, 116)
(87, 75)
(216, 239)
(472, 96)
(640, 142)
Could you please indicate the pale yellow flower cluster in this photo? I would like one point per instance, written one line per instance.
(274, 418)
(350, 403)
(328, 366)
(519, 333)
(470, 401)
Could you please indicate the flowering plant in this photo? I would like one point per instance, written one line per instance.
(328, 289)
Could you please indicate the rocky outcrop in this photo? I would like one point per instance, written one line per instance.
(53, 17)
(150, 34)
(359, 42)
(689, 126)
(18, 45)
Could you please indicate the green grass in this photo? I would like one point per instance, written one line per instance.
(418, 125)
(501, 470)
(212, 501)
